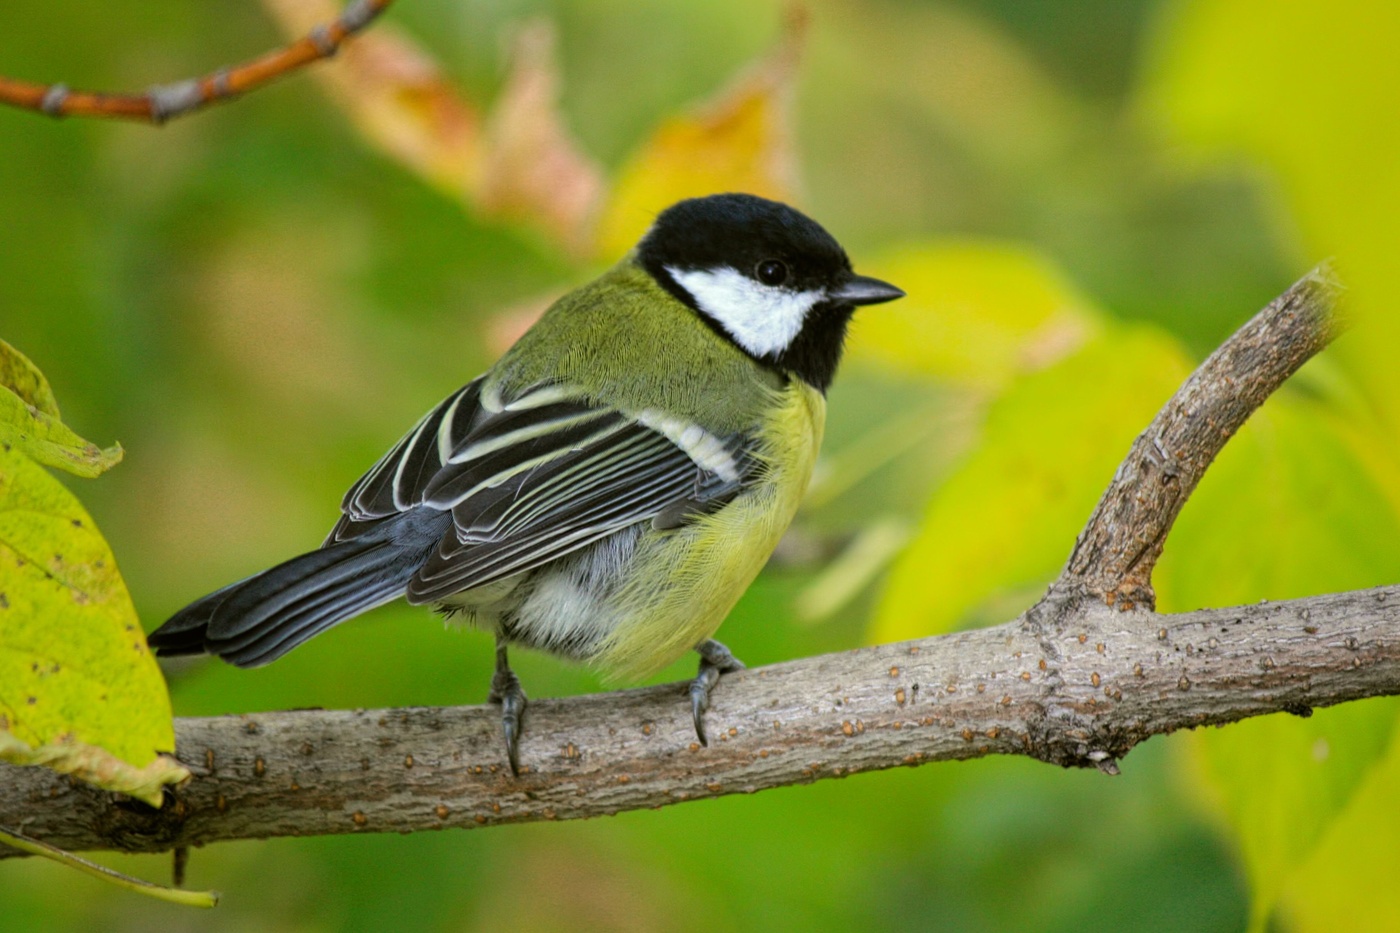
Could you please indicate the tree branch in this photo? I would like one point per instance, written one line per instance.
(1078, 680)
(164, 102)
(1116, 552)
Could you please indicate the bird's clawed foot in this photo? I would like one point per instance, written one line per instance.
(715, 659)
(506, 690)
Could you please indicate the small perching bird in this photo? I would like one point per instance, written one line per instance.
(610, 487)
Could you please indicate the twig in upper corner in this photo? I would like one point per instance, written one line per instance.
(163, 102)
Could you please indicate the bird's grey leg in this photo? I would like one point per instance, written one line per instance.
(506, 690)
(715, 659)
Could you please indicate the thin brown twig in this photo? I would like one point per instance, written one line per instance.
(166, 101)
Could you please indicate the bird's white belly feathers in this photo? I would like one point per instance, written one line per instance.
(571, 605)
(565, 607)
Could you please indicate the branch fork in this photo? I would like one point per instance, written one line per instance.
(1077, 680)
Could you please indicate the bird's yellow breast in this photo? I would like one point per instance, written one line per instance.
(685, 581)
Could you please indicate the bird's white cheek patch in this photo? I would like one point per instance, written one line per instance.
(763, 319)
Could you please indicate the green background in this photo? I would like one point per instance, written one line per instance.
(255, 304)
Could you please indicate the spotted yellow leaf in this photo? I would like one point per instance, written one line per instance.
(29, 420)
(79, 689)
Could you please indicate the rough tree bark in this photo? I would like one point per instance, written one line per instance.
(1077, 680)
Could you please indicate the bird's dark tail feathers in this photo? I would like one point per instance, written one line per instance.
(259, 619)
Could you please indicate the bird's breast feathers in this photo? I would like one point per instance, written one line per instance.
(685, 581)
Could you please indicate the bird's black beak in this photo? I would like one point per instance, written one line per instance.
(863, 290)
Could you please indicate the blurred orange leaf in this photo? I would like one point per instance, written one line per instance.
(520, 164)
(532, 170)
(397, 97)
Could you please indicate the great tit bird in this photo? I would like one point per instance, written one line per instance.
(611, 486)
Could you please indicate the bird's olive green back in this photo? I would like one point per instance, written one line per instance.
(627, 342)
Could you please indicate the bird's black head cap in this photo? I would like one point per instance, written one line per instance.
(764, 276)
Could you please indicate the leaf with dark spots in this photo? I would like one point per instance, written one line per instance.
(79, 690)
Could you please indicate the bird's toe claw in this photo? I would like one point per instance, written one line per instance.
(506, 690)
(715, 659)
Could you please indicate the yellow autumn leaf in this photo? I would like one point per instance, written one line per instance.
(396, 94)
(49, 441)
(1290, 508)
(29, 421)
(1307, 90)
(79, 690)
(97, 766)
(740, 141)
(23, 378)
(1348, 882)
(75, 671)
(519, 164)
(1279, 782)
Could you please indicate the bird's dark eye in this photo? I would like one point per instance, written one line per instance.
(771, 272)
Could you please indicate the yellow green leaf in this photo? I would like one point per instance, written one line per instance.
(24, 379)
(74, 667)
(97, 766)
(49, 441)
(1288, 509)
(29, 420)
(999, 528)
(1280, 781)
(1348, 883)
(977, 313)
(1306, 89)
(741, 141)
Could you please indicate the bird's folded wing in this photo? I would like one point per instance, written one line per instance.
(536, 476)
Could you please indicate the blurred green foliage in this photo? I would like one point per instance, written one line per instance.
(998, 524)
(255, 301)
